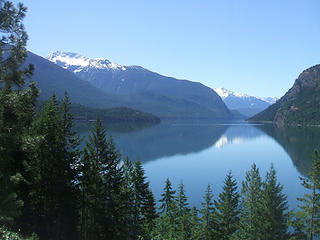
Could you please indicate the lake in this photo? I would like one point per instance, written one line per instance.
(202, 153)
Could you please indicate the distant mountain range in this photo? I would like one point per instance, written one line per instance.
(100, 83)
(243, 103)
(300, 106)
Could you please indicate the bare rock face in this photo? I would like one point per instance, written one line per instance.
(300, 106)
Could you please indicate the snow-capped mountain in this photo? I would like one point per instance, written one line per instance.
(245, 104)
(145, 90)
(76, 63)
(224, 93)
(270, 100)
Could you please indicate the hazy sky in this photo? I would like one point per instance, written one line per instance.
(252, 46)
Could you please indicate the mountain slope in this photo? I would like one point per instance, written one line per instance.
(164, 96)
(51, 78)
(243, 103)
(300, 105)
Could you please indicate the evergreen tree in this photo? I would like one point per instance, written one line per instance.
(297, 223)
(207, 221)
(195, 224)
(309, 214)
(251, 217)
(167, 199)
(128, 198)
(13, 45)
(144, 204)
(182, 200)
(16, 110)
(184, 215)
(274, 208)
(51, 209)
(101, 184)
(150, 215)
(227, 209)
(166, 224)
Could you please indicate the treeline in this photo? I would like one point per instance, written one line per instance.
(119, 114)
(112, 115)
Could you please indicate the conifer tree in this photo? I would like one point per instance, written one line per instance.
(182, 200)
(167, 197)
(195, 224)
(166, 224)
(274, 208)
(52, 196)
(183, 214)
(16, 110)
(227, 209)
(150, 215)
(251, 218)
(128, 198)
(144, 204)
(309, 213)
(140, 191)
(13, 45)
(102, 181)
(207, 220)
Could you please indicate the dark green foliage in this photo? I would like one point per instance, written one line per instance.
(207, 220)
(120, 114)
(274, 208)
(16, 111)
(101, 183)
(12, 45)
(251, 218)
(52, 155)
(166, 225)
(143, 204)
(308, 218)
(167, 199)
(227, 209)
(184, 215)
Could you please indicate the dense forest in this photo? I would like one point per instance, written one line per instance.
(52, 189)
(111, 115)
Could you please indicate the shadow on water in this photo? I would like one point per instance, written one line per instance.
(299, 143)
(150, 142)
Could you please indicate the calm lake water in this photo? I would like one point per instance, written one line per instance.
(200, 153)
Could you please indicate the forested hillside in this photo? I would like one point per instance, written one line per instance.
(300, 105)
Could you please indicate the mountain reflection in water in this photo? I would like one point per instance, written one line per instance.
(199, 153)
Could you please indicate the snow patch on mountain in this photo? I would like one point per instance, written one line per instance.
(224, 93)
(76, 62)
(270, 100)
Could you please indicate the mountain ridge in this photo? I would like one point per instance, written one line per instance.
(300, 105)
(146, 90)
(244, 103)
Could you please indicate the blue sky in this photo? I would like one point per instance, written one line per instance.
(254, 47)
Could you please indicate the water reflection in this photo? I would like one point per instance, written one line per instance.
(148, 143)
(151, 142)
(238, 133)
(299, 143)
